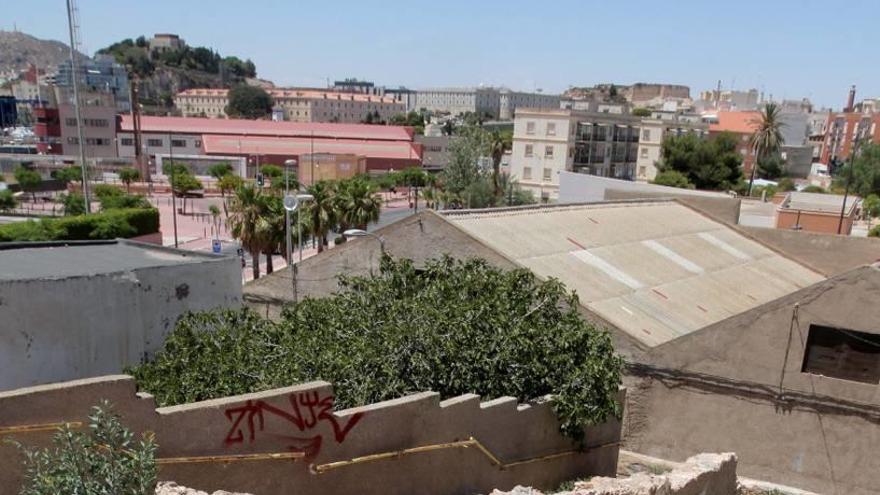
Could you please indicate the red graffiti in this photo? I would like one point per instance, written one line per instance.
(308, 409)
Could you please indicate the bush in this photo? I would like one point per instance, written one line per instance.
(786, 185)
(874, 232)
(124, 201)
(673, 178)
(496, 333)
(102, 459)
(106, 190)
(73, 204)
(7, 200)
(814, 189)
(108, 224)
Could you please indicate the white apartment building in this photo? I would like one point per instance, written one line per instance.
(546, 142)
(296, 105)
(500, 103)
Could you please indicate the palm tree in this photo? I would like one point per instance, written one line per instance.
(248, 224)
(358, 204)
(322, 211)
(275, 228)
(499, 142)
(767, 138)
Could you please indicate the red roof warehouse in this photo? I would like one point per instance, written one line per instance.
(385, 147)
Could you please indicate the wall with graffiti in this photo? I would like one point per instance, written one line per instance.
(291, 440)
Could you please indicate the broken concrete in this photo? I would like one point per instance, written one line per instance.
(172, 488)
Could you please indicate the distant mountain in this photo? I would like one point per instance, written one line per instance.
(17, 50)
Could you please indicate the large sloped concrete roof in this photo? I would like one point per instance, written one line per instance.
(656, 270)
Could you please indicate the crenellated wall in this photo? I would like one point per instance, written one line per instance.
(290, 440)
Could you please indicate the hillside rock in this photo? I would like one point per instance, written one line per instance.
(17, 50)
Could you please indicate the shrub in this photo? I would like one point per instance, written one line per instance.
(105, 458)
(814, 189)
(874, 232)
(73, 204)
(496, 333)
(786, 185)
(7, 200)
(104, 225)
(124, 201)
(106, 190)
(673, 178)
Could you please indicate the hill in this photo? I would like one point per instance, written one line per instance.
(18, 49)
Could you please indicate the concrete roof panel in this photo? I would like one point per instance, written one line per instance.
(657, 270)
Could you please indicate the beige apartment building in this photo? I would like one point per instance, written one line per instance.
(549, 141)
(98, 111)
(296, 105)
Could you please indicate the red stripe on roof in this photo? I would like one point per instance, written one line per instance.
(237, 145)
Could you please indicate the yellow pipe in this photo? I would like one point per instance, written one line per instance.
(269, 456)
(9, 430)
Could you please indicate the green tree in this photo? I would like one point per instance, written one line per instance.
(771, 167)
(102, 459)
(767, 138)
(357, 203)
(183, 183)
(73, 204)
(641, 112)
(128, 175)
(497, 333)
(465, 150)
(707, 163)
(229, 183)
(274, 173)
(322, 211)
(865, 171)
(499, 143)
(273, 214)
(7, 200)
(871, 208)
(247, 223)
(249, 102)
(219, 170)
(672, 178)
(29, 180)
(786, 185)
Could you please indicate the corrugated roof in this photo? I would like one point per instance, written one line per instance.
(823, 203)
(655, 270)
(195, 125)
(232, 144)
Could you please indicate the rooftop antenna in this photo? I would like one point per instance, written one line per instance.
(73, 28)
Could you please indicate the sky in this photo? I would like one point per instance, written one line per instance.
(788, 48)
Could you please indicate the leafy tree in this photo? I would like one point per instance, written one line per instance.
(248, 102)
(673, 178)
(229, 183)
(786, 185)
(771, 167)
(219, 170)
(248, 224)
(183, 183)
(240, 68)
(514, 195)
(497, 333)
(874, 232)
(68, 174)
(273, 214)
(357, 203)
(641, 112)
(102, 459)
(865, 171)
(871, 207)
(128, 175)
(707, 163)
(7, 200)
(767, 138)
(465, 150)
(273, 172)
(73, 204)
(29, 180)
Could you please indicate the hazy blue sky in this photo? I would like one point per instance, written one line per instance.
(790, 48)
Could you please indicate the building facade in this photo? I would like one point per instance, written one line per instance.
(841, 131)
(654, 130)
(297, 105)
(98, 112)
(435, 151)
(497, 103)
(101, 75)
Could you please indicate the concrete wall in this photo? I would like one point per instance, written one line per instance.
(737, 386)
(827, 254)
(62, 329)
(701, 474)
(417, 237)
(300, 420)
(580, 188)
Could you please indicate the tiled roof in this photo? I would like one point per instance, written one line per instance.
(195, 125)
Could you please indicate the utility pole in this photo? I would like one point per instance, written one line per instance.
(852, 160)
(171, 182)
(73, 30)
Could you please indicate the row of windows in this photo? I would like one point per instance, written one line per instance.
(158, 143)
(530, 151)
(90, 141)
(71, 122)
(546, 177)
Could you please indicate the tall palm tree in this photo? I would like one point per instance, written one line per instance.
(248, 224)
(767, 138)
(499, 142)
(322, 211)
(358, 204)
(275, 228)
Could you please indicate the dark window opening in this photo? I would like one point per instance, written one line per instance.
(844, 354)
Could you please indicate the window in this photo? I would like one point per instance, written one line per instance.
(96, 122)
(72, 140)
(126, 142)
(527, 173)
(178, 143)
(197, 143)
(530, 127)
(844, 354)
(548, 174)
(70, 122)
(646, 134)
(643, 152)
(548, 151)
(551, 128)
(154, 142)
(643, 171)
(530, 150)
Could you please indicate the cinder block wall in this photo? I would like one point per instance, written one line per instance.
(464, 445)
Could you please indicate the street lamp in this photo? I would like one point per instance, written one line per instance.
(291, 204)
(287, 164)
(364, 233)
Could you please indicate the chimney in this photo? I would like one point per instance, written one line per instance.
(851, 101)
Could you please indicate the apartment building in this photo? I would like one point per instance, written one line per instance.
(654, 130)
(102, 74)
(98, 112)
(500, 103)
(296, 105)
(841, 131)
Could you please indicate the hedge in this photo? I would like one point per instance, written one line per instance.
(110, 224)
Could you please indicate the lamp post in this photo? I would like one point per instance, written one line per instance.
(287, 164)
(171, 182)
(852, 159)
(292, 203)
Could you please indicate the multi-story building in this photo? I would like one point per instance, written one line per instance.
(165, 41)
(297, 105)
(435, 151)
(8, 112)
(842, 130)
(102, 74)
(741, 125)
(654, 130)
(98, 112)
(730, 100)
(500, 103)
